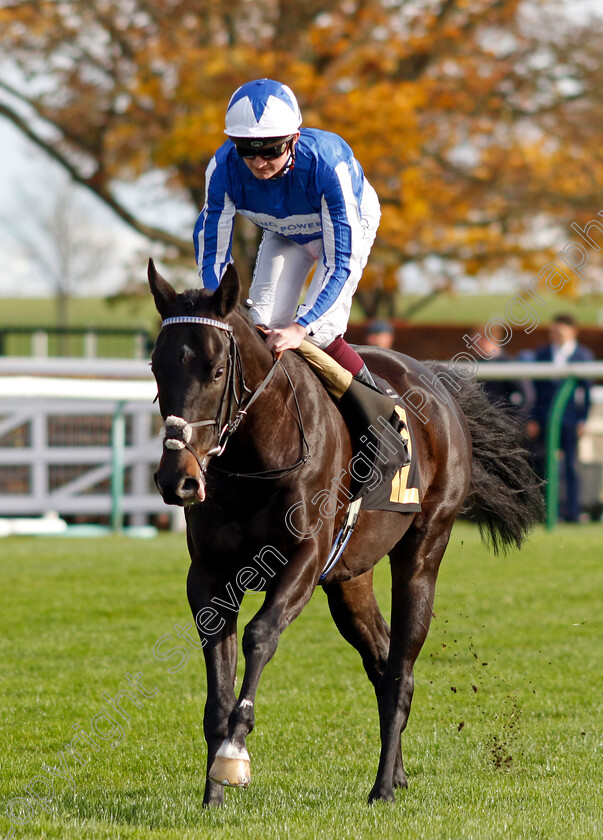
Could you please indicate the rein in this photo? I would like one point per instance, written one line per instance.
(176, 432)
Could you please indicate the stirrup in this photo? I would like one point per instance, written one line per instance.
(364, 376)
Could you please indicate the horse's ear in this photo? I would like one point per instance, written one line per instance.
(163, 293)
(226, 296)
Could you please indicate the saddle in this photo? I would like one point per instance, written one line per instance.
(381, 470)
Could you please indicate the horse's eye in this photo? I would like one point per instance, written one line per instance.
(218, 373)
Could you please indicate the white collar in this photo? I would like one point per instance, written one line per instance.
(562, 352)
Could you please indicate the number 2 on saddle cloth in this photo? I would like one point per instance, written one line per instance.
(383, 472)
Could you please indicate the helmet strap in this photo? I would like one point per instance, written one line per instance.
(289, 165)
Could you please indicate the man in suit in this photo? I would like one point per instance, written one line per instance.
(562, 348)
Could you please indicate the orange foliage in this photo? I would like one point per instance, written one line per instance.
(472, 119)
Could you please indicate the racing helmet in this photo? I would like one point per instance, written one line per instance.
(262, 109)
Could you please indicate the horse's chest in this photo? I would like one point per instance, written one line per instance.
(241, 528)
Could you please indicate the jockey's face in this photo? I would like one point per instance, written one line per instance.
(265, 169)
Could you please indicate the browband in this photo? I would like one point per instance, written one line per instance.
(193, 319)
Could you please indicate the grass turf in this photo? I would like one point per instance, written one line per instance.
(504, 739)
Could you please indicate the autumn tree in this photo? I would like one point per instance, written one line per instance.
(477, 121)
(58, 235)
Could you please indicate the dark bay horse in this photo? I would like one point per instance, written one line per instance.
(262, 516)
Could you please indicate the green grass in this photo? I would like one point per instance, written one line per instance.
(83, 312)
(479, 309)
(503, 740)
(140, 312)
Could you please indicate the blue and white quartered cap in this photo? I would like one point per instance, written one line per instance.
(262, 108)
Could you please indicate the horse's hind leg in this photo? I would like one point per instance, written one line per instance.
(358, 618)
(415, 562)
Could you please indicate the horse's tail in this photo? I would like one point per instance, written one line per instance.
(505, 496)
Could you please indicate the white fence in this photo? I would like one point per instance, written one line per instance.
(79, 447)
(58, 455)
(88, 447)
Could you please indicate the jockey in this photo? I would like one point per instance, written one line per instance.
(308, 193)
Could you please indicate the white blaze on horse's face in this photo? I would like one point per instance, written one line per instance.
(188, 354)
(193, 365)
(195, 402)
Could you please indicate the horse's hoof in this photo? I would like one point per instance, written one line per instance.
(231, 766)
(381, 795)
(400, 780)
(232, 772)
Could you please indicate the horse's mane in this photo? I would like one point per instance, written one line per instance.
(243, 312)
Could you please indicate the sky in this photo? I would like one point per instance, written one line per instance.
(26, 175)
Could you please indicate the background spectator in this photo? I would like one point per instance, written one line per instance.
(505, 391)
(380, 333)
(563, 348)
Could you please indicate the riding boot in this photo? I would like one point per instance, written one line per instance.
(364, 376)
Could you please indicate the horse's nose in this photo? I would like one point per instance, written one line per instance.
(181, 490)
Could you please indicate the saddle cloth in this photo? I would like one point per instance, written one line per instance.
(382, 471)
(400, 491)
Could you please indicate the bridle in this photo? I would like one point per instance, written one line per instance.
(176, 432)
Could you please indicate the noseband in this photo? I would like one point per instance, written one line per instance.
(177, 432)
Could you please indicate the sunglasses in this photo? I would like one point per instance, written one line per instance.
(264, 152)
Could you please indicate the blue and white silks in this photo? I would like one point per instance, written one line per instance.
(322, 210)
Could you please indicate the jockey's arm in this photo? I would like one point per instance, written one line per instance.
(212, 235)
(341, 233)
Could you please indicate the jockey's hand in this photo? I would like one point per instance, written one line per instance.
(285, 338)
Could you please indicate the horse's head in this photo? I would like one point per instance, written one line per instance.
(193, 365)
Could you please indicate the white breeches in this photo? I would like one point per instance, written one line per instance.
(282, 267)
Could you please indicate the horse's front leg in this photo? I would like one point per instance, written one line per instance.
(220, 651)
(286, 596)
